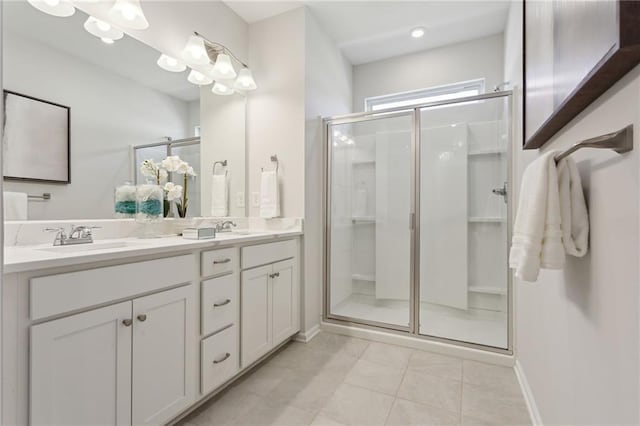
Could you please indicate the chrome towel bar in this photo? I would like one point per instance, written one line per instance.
(44, 196)
(620, 141)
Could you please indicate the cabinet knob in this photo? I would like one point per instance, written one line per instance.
(226, 302)
(142, 317)
(277, 274)
(224, 358)
(127, 322)
(218, 262)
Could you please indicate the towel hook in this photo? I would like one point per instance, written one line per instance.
(274, 159)
(222, 163)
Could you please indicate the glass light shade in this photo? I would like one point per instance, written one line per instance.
(223, 68)
(245, 80)
(194, 51)
(196, 77)
(102, 30)
(169, 63)
(61, 8)
(128, 14)
(221, 89)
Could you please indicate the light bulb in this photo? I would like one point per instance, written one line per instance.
(223, 69)
(194, 51)
(245, 80)
(128, 14)
(102, 30)
(169, 63)
(61, 8)
(106, 40)
(196, 77)
(52, 3)
(220, 88)
(417, 32)
(104, 26)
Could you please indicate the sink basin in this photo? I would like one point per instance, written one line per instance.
(79, 248)
(238, 233)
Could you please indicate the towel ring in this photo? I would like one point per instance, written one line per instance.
(222, 163)
(274, 159)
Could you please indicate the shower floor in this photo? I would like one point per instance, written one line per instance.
(473, 325)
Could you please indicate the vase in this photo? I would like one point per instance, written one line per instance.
(124, 198)
(182, 212)
(149, 203)
(166, 207)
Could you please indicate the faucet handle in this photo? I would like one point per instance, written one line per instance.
(61, 230)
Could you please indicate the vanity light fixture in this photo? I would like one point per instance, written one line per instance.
(170, 63)
(417, 32)
(128, 14)
(196, 77)
(194, 51)
(245, 80)
(60, 8)
(103, 30)
(220, 88)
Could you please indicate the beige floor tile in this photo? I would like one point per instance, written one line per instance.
(307, 360)
(492, 376)
(436, 365)
(411, 413)
(377, 377)
(431, 390)
(353, 405)
(495, 406)
(306, 391)
(264, 413)
(263, 380)
(223, 410)
(321, 420)
(471, 421)
(390, 355)
(336, 343)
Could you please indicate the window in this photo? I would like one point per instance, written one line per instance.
(422, 96)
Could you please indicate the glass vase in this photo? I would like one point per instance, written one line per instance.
(149, 203)
(124, 201)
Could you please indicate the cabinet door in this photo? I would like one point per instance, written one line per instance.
(285, 301)
(256, 314)
(164, 341)
(81, 369)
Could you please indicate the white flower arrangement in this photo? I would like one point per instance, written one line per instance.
(173, 163)
(160, 172)
(173, 191)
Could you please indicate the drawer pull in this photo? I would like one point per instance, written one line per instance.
(219, 262)
(226, 302)
(277, 274)
(127, 322)
(224, 358)
(142, 317)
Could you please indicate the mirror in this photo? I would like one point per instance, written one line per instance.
(81, 116)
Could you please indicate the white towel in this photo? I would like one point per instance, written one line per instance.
(15, 206)
(269, 195)
(573, 209)
(537, 237)
(220, 195)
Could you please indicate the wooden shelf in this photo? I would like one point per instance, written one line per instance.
(487, 290)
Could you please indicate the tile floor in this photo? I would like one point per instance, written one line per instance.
(339, 380)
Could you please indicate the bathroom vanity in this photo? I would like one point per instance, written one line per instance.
(133, 331)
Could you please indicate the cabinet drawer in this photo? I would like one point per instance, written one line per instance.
(216, 262)
(219, 358)
(219, 302)
(57, 294)
(262, 254)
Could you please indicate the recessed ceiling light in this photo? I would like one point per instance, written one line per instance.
(417, 32)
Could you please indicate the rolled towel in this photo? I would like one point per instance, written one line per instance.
(220, 195)
(537, 237)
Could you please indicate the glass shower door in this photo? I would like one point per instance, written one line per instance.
(370, 236)
(463, 214)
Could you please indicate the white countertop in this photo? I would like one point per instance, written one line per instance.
(41, 256)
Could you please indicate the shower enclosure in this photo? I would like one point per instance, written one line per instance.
(418, 220)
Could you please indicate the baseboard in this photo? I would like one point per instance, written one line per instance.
(536, 420)
(307, 335)
(422, 344)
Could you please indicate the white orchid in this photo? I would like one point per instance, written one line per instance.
(174, 192)
(172, 163)
(149, 169)
(190, 171)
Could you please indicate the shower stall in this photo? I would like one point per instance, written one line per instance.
(418, 220)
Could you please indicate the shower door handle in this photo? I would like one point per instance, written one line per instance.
(501, 191)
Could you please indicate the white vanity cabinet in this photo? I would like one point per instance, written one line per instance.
(269, 297)
(130, 362)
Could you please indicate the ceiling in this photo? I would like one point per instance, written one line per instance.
(368, 31)
(127, 57)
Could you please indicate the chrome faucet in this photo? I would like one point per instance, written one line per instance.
(77, 235)
(225, 226)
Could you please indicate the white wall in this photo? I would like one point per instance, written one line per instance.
(577, 330)
(101, 132)
(449, 64)
(275, 111)
(328, 91)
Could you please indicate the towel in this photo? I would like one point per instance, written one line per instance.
(269, 195)
(220, 195)
(573, 209)
(537, 236)
(15, 206)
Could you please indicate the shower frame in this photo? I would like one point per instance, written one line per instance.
(413, 330)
